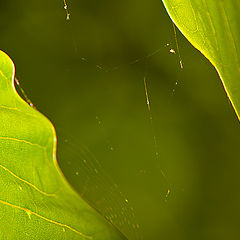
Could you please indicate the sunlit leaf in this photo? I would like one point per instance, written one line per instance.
(36, 202)
(212, 26)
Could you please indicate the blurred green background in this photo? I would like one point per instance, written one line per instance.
(177, 174)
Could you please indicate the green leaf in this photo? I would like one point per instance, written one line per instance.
(36, 202)
(212, 26)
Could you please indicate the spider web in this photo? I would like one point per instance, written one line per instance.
(102, 192)
(96, 186)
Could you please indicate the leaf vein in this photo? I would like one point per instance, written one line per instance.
(47, 219)
(23, 141)
(15, 109)
(229, 33)
(25, 181)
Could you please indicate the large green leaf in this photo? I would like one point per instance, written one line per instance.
(212, 26)
(36, 202)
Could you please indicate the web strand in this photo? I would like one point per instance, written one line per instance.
(177, 46)
(66, 10)
(154, 136)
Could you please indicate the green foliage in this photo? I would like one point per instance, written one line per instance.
(36, 202)
(213, 28)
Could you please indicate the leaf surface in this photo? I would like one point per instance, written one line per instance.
(36, 202)
(212, 26)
